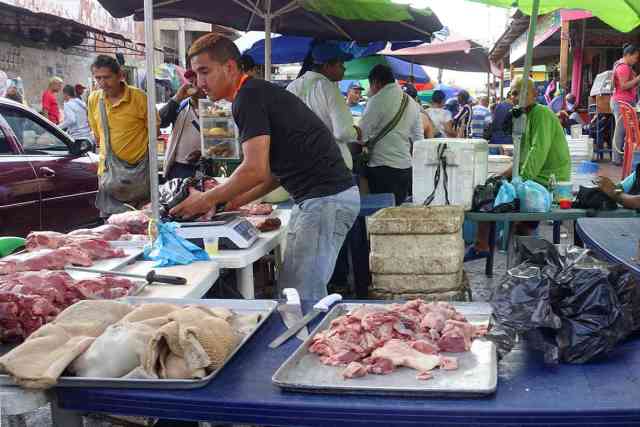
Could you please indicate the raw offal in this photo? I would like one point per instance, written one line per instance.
(28, 300)
(45, 259)
(379, 339)
(134, 222)
(265, 224)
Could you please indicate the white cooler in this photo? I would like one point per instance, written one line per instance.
(466, 167)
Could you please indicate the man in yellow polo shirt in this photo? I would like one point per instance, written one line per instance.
(126, 110)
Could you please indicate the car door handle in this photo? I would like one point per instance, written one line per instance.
(47, 172)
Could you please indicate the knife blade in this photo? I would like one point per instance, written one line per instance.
(150, 277)
(321, 306)
(291, 312)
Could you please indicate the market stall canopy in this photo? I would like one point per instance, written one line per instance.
(360, 20)
(359, 69)
(292, 49)
(623, 15)
(454, 53)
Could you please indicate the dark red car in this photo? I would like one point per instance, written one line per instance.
(48, 181)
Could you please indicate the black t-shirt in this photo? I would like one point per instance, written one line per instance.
(303, 154)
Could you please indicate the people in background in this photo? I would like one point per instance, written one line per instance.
(389, 125)
(572, 110)
(545, 152)
(50, 108)
(481, 118)
(13, 93)
(625, 88)
(126, 112)
(500, 125)
(248, 66)
(552, 88)
(181, 112)
(410, 87)
(318, 89)
(440, 117)
(76, 120)
(81, 91)
(354, 98)
(283, 143)
(462, 120)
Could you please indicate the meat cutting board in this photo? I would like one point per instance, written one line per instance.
(111, 264)
(477, 372)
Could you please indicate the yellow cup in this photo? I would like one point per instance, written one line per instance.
(211, 245)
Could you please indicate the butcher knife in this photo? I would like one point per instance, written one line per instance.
(150, 277)
(321, 306)
(291, 311)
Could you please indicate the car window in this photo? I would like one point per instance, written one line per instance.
(34, 137)
(5, 148)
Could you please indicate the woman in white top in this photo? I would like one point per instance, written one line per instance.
(442, 119)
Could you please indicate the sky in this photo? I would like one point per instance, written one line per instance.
(479, 22)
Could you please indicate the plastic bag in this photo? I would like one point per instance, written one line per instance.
(564, 305)
(171, 249)
(176, 190)
(506, 195)
(534, 197)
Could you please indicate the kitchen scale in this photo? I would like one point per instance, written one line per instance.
(231, 230)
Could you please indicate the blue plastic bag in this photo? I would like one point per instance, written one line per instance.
(534, 197)
(171, 249)
(506, 194)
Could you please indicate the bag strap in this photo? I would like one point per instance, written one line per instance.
(392, 124)
(442, 168)
(104, 121)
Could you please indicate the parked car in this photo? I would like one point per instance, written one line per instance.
(48, 180)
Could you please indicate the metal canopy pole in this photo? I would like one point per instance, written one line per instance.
(267, 40)
(149, 42)
(520, 123)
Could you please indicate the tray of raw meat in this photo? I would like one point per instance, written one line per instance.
(415, 348)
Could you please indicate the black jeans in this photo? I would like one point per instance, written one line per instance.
(383, 179)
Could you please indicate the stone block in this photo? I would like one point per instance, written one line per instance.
(416, 254)
(417, 220)
(408, 283)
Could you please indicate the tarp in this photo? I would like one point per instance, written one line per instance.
(454, 53)
(359, 69)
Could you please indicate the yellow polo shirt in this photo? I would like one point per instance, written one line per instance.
(127, 124)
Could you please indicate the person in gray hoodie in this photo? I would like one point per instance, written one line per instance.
(76, 121)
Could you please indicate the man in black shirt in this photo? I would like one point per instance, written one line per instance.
(283, 143)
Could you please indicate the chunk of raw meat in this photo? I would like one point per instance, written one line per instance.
(104, 287)
(379, 365)
(401, 354)
(354, 370)
(45, 240)
(454, 341)
(44, 259)
(134, 222)
(265, 224)
(425, 346)
(433, 320)
(448, 363)
(107, 232)
(55, 286)
(256, 209)
(97, 249)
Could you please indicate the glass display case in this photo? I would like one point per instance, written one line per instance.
(218, 131)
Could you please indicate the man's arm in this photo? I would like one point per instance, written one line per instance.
(341, 118)
(169, 112)
(370, 120)
(254, 194)
(69, 117)
(541, 142)
(254, 171)
(92, 122)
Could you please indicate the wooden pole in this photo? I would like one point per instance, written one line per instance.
(564, 55)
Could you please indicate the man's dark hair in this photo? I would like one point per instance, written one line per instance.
(630, 49)
(247, 63)
(464, 97)
(438, 96)
(219, 48)
(69, 91)
(106, 61)
(411, 79)
(381, 74)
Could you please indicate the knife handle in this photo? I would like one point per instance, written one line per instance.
(325, 303)
(152, 276)
(292, 296)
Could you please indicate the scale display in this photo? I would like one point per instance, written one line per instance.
(234, 233)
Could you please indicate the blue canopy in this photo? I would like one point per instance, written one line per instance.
(403, 69)
(290, 49)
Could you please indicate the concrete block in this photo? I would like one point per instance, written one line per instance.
(417, 220)
(408, 283)
(416, 254)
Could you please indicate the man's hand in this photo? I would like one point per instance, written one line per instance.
(358, 133)
(183, 92)
(196, 204)
(607, 186)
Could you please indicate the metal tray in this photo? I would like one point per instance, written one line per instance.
(243, 307)
(477, 372)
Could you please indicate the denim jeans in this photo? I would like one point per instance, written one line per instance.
(618, 135)
(316, 231)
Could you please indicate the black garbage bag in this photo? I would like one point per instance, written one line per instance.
(566, 306)
(172, 193)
